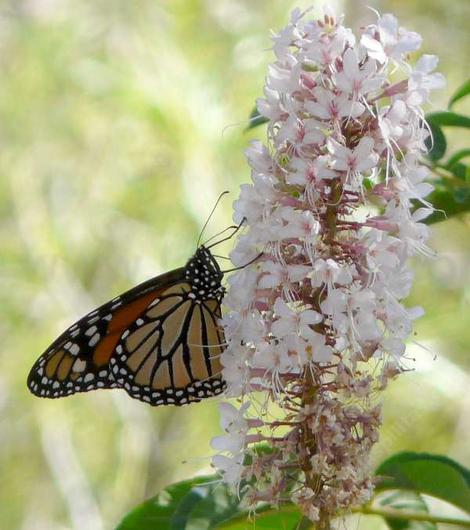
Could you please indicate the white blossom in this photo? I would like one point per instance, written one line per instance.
(291, 321)
(355, 79)
(329, 106)
(358, 159)
(387, 40)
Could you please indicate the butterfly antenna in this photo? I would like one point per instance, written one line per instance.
(231, 227)
(235, 229)
(210, 215)
(243, 266)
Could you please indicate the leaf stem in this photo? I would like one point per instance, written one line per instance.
(305, 524)
(412, 516)
(443, 172)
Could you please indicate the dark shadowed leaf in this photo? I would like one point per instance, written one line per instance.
(433, 475)
(448, 202)
(436, 143)
(460, 171)
(462, 196)
(199, 504)
(204, 503)
(256, 119)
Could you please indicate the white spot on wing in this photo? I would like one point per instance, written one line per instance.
(94, 340)
(90, 331)
(79, 365)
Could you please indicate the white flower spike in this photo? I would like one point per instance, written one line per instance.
(336, 207)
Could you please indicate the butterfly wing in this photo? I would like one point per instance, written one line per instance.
(78, 360)
(171, 354)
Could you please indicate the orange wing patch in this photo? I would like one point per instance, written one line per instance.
(125, 316)
(53, 363)
(120, 321)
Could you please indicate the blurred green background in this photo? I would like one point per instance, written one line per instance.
(120, 123)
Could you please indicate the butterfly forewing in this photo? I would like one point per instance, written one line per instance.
(160, 341)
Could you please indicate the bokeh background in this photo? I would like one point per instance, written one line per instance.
(120, 123)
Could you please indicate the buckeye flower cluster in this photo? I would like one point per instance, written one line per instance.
(316, 327)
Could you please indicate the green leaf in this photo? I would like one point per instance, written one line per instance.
(448, 202)
(204, 503)
(304, 524)
(433, 475)
(457, 156)
(367, 183)
(448, 119)
(411, 502)
(256, 119)
(285, 518)
(437, 143)
(460, 93)
(458, 169)
(462, 196)
(198, 504)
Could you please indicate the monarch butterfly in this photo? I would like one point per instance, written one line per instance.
(160, 341)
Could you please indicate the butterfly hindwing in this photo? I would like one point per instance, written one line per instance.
(170, 355)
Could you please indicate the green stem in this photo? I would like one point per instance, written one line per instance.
(305, 524)
(324, 523)
(332, 208)
(411, 516)
(307, 446)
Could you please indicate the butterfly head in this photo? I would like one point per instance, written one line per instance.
(204, 275)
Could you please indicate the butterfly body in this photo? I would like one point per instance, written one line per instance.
(159, 341)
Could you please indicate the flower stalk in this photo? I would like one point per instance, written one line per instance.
(317, 326)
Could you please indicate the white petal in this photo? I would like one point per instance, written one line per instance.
(282, 327)
(350, 64)
(281, 309)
